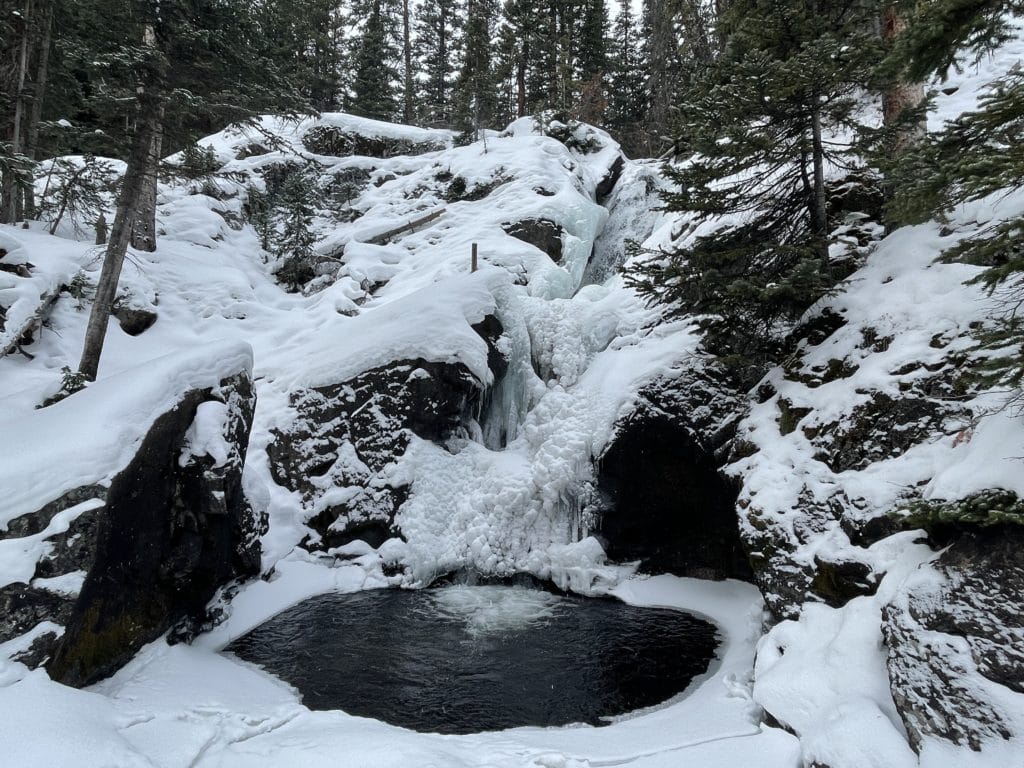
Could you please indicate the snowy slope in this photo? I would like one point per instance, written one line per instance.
(577, 357)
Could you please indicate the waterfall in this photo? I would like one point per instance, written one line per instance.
(633, 215)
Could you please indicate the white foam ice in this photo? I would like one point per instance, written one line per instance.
(491, 610)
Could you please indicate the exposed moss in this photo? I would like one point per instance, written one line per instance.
(789, 416)
(980, 510)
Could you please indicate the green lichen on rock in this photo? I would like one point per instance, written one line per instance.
(980, 510)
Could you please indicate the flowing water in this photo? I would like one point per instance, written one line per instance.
(464, 659)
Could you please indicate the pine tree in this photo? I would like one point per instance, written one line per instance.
(755, 153)
(294, 245)
(973, 157)
(627, 104)
(593, 63)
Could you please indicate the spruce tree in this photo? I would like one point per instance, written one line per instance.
(438, 46)
(475, 97)
(375, 74)
(976, 156)
(627, 104)
(294, 243)
(754, 145)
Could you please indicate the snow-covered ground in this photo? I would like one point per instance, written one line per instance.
(178, 706)
(476, 502)
(498, 507)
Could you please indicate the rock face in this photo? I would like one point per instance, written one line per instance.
(346, 437)
(69, 554)
(955, 635)
(337, 142)
(176, 526)
(542, 233)
(663, 500)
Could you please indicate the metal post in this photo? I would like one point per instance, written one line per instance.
(473, 267)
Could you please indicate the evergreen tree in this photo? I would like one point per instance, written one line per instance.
(294, 244)
(438, 46)
(978, 155)
(375, 74)
(754, 140)
(475, 97)
(627, 104)
(593, 63)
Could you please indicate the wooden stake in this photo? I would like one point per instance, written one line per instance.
(473, 267)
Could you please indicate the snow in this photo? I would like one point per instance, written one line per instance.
(509, 496)
(92, 435)
(176, 706)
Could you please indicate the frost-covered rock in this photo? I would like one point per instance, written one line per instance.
(955, 633)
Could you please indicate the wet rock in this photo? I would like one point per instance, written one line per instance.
(663, 500)
(541, 233)
(176, 527)
(955, 634)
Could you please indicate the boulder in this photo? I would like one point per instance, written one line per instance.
(541, 233)
(176, 527)
(955, 634)
(661, 497)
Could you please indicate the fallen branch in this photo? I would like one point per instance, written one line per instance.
(409, 226)
(34, 321)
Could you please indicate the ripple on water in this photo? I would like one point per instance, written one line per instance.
(463, 659)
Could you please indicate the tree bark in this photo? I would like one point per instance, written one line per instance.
(10, 208)
(900, 95)
(38, 94)
(409, 95)
(819, 210)
(144, 227)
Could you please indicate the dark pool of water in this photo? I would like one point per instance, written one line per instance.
(466, 659)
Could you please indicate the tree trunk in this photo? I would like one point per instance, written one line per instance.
(144, 227)
(10, 208)
(819, 210)
(39, 92)
(900, 95)
(409, 96)
(135, 177)
(521, 86)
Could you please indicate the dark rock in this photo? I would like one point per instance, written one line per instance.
(337, 142)
(346, 434)
(39, 652)
(957, 640)
(31, 524)
(23, 607)
(837, 582)
(663, 500)
(490, 330)
(882, 428)
(541, 233)
(610, 179)
(134, 321)
(171, 536)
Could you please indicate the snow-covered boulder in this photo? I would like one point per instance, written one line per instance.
(955, 633)
(143, 524)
